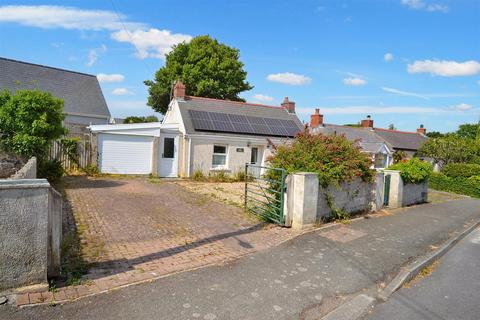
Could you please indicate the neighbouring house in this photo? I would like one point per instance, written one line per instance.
(196, 135)
(380, 143)
(84, 103)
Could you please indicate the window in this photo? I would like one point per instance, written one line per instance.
(254, 156)
(380, 161)
(168, 148)
(219, 156)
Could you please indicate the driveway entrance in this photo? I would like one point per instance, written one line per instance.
(132, 229)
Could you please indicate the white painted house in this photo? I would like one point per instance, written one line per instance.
(196, 134)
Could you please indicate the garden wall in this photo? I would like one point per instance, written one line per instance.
(28, 171)
(30, 230)
(307, 203)
(405, 194)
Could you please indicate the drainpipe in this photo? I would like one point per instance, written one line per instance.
(188, 157)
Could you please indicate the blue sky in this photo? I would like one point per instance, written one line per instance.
(406, 62)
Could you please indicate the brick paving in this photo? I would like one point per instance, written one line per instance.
(132, 230)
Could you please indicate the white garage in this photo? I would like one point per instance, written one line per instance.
(137, 148)
(124, 153)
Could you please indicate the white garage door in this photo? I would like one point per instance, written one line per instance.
(125, 154)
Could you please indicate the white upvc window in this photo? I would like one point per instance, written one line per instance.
(219, 159)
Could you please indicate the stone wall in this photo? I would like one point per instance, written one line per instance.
(28, 171)
(307, 204)
(405, 194)
(30, 232)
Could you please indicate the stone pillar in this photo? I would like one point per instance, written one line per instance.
(395, 199)
(155, 159)
(379, 191)
(302, 199)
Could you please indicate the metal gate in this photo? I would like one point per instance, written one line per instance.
(386, 192)
(264, 192)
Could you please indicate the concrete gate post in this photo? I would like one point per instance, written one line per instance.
(396, 189)
(302, 199)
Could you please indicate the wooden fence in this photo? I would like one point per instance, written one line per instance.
(69, 163)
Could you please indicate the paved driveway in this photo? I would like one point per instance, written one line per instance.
(137, 229)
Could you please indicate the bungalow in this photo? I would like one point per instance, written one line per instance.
(84, 103)
(196, 135)
(380, 143)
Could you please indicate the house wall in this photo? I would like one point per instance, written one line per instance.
(77, 125)
(202, 153)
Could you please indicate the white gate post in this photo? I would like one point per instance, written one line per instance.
(302, 199)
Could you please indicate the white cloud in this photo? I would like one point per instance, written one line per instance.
(121, 92)
(152, 43)
(93, 55)
(45, 16)
(354, 81)
(371, 110)
(422, 5)
(289, 78)
(114, 77)
(445, 68)
(262, 98)
(404, 93)
(388, 57)
(149, 42)
(463, 107)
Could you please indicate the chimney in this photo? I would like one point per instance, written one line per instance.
(367, 123)
(179, 90)
(316, 119)
(422, 130)
(288, 105)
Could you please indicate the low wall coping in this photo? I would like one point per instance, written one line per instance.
(24, 183)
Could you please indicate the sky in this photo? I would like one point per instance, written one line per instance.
(404, 62)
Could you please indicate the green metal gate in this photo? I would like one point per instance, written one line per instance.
(386, 193)
(264, 192)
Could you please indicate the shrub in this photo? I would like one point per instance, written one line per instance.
(465, 170)
(198, 175)
(50, 169)
(91, 170)
(220, 176)
(467, 186)
(334, 158)
(413, 170)
(399, 156)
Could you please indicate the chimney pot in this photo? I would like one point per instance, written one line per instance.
(179, 90)
(422, 130)
(288, 105)
(316, 119)
(367, 123)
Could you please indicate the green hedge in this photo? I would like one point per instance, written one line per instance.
(413, 170)
(467, 186)
(464, 170)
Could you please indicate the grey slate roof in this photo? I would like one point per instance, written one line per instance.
(367, 139)
(402, 140)
(231, 107)
(81, 92)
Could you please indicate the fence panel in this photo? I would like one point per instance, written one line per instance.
(80, 161)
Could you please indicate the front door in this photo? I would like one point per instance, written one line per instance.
(256, 160)
(168, 150)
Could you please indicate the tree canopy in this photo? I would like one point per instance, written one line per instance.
(469, 131)
(207, 67)
(451, 149)
(136, 119)
(29, 121)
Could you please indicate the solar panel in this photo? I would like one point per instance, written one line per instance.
(223, 126)
(223, 122)
(242, 127)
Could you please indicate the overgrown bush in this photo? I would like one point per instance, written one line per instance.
(198, 175)
(467, 186)
(50, 169)
(219, 176)
(465, 170)
(413, 170)
(91, 170)
(333, 157)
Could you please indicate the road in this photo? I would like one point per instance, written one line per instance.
(451, 291)
(302, 278)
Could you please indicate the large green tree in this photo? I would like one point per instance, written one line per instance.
(207, 67)
(29, 121)
(138, 119)
(469, 130)
(451, 149)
